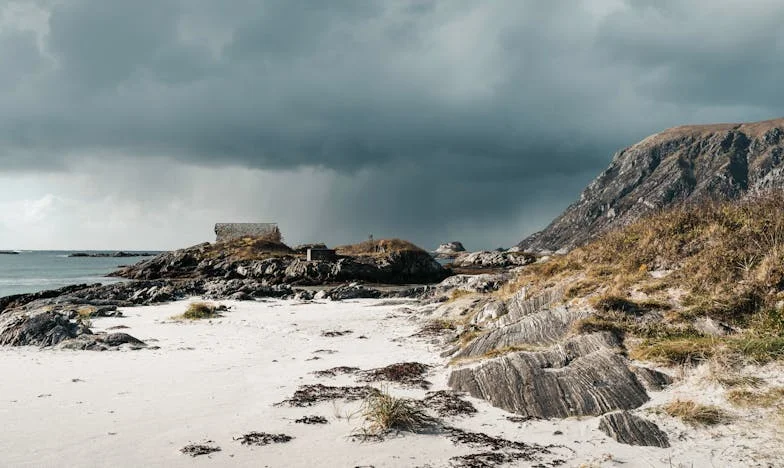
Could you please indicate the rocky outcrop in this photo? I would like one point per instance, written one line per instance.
(49, 326)
(584, 376)
(449, 249)
(680, 165)
(535, 330)
(204, 261)
(493, 259)
(629, 429)
(482, 283)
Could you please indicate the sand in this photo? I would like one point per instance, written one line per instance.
(216, 380)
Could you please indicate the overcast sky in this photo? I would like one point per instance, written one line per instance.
(139, 124)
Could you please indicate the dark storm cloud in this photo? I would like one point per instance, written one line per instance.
(455, 111)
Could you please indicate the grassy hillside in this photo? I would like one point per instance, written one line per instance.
(656, 280)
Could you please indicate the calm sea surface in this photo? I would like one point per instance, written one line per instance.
(38, 270)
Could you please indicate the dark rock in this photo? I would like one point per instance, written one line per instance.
(47, 326)
(18, 300)
(8, 252)
(119, 254)
(40, 328)
(102, 342)
(653, 380)
(687, 164)
(353, 291)
(206, 262)
(629, 429)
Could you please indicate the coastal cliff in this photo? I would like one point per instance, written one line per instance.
(687, 164)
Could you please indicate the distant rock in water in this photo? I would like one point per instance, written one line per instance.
(680, 165)
(119, 254)
(449, 250)
(8, 252)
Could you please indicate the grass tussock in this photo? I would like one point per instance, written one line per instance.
(458, 293)
(377, 247)
(200, 311)
(694, 413)
(384, 412)
(756, 398)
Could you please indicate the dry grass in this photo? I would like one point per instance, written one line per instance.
(750, 398)
(377, 247)
(249, 248)
(384, 412)
(695, 414)
(199, 311)
(458, 293)
(726, 258)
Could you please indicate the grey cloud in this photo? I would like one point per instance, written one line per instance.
(435, 116)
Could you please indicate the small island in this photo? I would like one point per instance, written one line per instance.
(119, 254)
(8, 252)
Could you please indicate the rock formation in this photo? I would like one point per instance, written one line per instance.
(493, 259)
(683, 164)
(48, 326)
(629, 429)
(449, 250)
(583, 377)
(280, 265)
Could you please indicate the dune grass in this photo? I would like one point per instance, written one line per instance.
(695, 414)
(725, 259)
(384, 412)
(756, 398)
(199, 311)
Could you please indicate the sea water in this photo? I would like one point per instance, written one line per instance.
(39, 270)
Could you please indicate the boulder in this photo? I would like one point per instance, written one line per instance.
(353, 291)
(629, 429)
(449, 249)
(42, 327)
(47, 327)
(102, 342)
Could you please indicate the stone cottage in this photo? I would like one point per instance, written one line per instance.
(230, 231)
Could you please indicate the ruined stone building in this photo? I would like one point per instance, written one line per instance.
(230, 231)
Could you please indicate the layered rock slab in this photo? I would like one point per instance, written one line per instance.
(583, 376)
(629, 429)
(542, 328)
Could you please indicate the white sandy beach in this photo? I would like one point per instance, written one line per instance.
(216, 380)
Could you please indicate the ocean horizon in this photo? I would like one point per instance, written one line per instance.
(32, 271)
